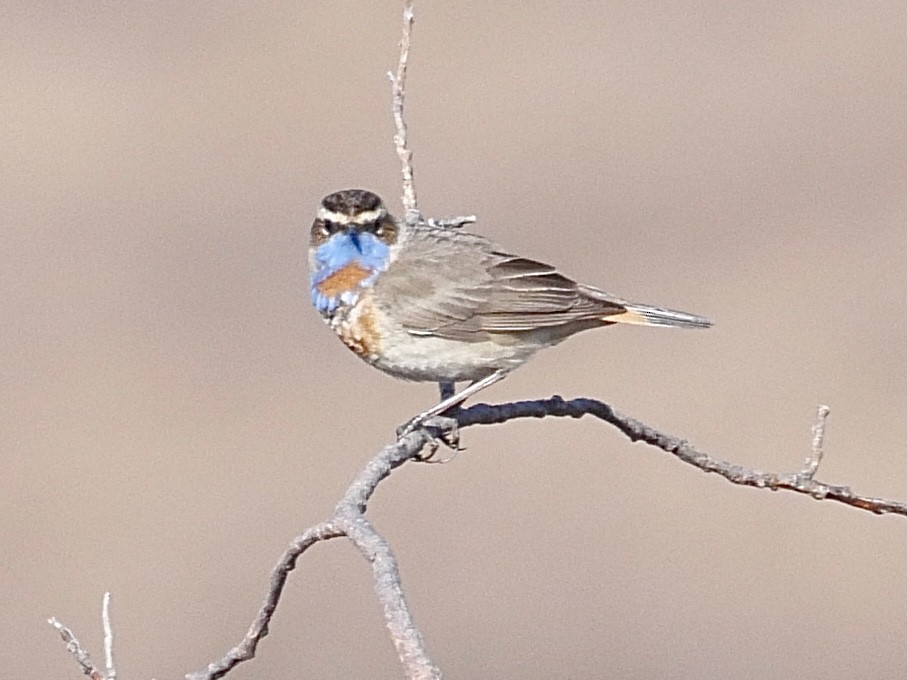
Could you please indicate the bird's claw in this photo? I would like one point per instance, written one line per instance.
(440, 430)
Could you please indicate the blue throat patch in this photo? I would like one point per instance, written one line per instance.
(342, 250)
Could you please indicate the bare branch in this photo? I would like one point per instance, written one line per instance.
(405, 635)
(74, 648)
(245, 650)
(800, 482)
(108, 638)
(348, 520)
(398, 90)
(350, 514)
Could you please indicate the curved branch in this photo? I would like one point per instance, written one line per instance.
(245, 649)
(405, 635)
(636, 431)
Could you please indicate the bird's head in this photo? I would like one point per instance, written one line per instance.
(350, 244)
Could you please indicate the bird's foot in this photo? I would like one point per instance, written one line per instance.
(441, 429)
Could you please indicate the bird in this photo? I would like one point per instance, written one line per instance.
(432, 303)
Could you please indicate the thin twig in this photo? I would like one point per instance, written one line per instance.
(398, 90)
(412, 214)
(108, 638)
(245, 649)
(451, 222)
(80, 655)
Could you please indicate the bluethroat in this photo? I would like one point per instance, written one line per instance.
(437, 304)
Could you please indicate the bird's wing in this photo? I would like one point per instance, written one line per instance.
(457, 285)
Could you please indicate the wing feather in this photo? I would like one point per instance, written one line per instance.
(459, 286)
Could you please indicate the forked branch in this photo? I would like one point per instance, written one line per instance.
(349, 516)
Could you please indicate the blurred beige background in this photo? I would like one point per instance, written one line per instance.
(173, 411)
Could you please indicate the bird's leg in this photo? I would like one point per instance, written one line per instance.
(451, 401)
(447, 388)
(464, 394)
(449, 432)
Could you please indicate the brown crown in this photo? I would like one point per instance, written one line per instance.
(351, 202)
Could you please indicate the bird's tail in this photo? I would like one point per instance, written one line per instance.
(644, 315)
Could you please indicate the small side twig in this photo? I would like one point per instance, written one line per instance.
(75, 648)
(815, 455)
(451, 222)
(81, 655)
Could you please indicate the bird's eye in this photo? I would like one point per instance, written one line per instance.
(320, 230)
(385, 230)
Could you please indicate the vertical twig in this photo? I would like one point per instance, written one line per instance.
(108, 638)
(398, 89)
(816, 452)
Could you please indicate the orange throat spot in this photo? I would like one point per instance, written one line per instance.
(343, 280)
